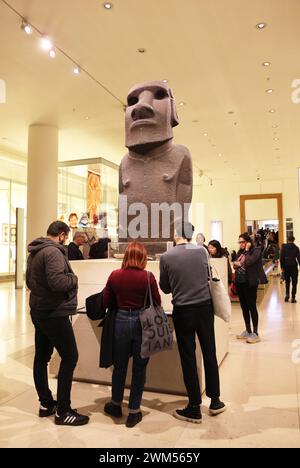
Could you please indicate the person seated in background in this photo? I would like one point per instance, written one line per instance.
(215, 250)
(200, 240)
(100, 248)
(74, 252)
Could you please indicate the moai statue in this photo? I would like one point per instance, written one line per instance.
(155, 172)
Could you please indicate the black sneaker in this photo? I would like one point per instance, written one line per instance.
(190, 414)
(294, 300)
(71, 418)
(113, 410)
(133, 419)
(46, 411)
(286, 299)
(216, 407)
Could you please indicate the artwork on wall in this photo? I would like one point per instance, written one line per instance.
(93, 193)
(9, 233)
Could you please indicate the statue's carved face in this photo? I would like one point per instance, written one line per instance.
(150, 115)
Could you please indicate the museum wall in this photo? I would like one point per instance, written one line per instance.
(221, 202)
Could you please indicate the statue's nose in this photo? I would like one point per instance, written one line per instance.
(142, 111)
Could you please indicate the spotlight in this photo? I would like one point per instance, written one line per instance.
(261, 25)
(76, 70)
(107, 5)
(26, 27)
(46, 44)
(52, 53)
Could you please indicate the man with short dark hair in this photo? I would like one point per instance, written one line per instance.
(74, 252)
(184, 273)
(53, 299)
(289, 261)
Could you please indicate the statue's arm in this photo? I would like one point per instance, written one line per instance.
(185, 179)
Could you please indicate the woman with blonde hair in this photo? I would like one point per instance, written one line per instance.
(128, 287)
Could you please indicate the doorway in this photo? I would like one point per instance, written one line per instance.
(262, 211)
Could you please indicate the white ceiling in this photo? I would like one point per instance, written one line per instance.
(211, 52)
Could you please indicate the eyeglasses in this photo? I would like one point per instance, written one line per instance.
(241, 242)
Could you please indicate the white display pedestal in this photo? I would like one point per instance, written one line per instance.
(164, 369)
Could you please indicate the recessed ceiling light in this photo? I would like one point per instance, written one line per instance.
(182, 103)
(272, 111)
(87, 118)
(270, 91)
(165, 81)
(142, 50)
(220, 155)
(52, 53)
(46, 44)
(275, 126)
(26, 27)
(266, 64)
(261, 25)
(107, 5)
(205, 134)
(76, 70)
(276, 139)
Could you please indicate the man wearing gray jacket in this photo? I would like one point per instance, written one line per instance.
(53, 299)
(184, 273)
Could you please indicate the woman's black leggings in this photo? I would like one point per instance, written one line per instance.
(248, 296)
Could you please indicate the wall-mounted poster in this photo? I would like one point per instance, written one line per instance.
(93, 194)
(9, 234)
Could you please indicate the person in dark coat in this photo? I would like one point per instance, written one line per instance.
(249, 273)
(74, 252)
(53, 299)
(289, 262)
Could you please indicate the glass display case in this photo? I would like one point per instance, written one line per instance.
(88, 195)
(154, 249)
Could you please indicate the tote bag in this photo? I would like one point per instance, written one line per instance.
(219, 295)
(157, 334)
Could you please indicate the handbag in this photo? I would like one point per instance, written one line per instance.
(94, 306)
(219, 295)
(157, 334)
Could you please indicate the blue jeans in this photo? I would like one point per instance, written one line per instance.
(127, 342)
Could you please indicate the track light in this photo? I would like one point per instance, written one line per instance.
(52, 53)
(76, 70)
(26, 27)
(46, 44)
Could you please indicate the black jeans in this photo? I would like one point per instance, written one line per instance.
(188, 321)
(127, 342)
(248, 297)
(56, 332)
(291, 273)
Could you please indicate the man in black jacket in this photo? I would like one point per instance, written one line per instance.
(289, 261)
(53, 298)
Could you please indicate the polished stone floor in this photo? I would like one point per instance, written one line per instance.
(260, 384)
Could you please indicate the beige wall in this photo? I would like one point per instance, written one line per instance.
(221, 201)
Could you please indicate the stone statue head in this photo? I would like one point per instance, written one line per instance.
(150, 116)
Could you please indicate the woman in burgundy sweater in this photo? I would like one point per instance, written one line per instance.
(128, 287)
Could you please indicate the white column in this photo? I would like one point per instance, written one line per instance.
(41, 179)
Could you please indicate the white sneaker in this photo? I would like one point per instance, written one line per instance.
(253, 338)
(243, 336)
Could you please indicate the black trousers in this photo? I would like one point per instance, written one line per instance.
(190, 321)
(248, 297)
(56, 332)
(291, 273)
